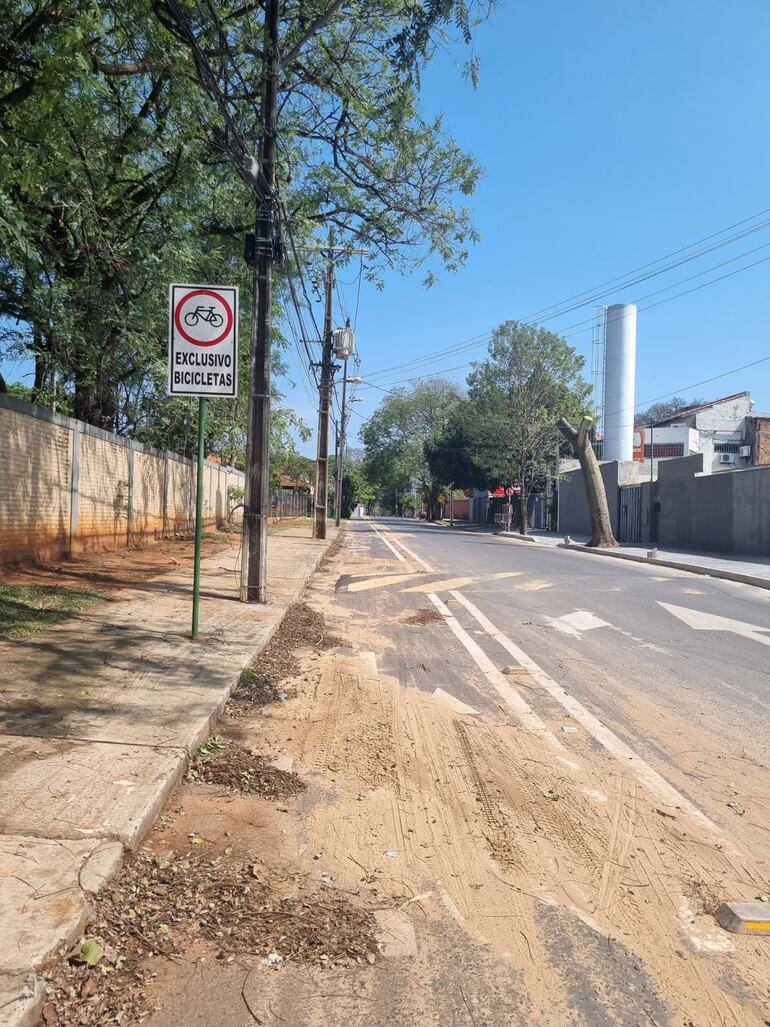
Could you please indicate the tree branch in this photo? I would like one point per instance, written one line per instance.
(314, 28)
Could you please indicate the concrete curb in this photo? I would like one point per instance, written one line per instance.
(692, 568)
(22, 995)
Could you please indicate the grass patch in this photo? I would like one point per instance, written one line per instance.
(25, 609)
(276, 527)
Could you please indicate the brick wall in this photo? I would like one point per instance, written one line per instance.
(35, 473)
(67, 487)
(103, 490)
(759, 439)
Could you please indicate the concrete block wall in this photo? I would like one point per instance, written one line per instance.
(721, 513)
(102, 494)
(685, 508)
(68, 488)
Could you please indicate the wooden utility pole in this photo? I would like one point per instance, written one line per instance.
(327, 372)
(257, 499)
(341, 447)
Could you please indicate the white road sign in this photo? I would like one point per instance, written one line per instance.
(203, 340)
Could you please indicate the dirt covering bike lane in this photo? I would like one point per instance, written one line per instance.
(400, 850)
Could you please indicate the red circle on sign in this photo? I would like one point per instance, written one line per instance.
(201, 342)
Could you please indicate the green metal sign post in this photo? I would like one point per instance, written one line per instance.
(198, 517)
(202, 362)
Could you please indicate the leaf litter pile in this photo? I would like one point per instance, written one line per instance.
(302, 628)
(232, 765)
(423, 616)
(161, 903)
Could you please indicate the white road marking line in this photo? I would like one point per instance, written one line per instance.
(510, 696)
(699, 621)
(398, 555)
(576, 623)
(652, 780)
(705, 938)
(417, 559)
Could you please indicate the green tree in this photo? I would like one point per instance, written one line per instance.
(394, 441)
(661, 410)
(116, 172)
(451, 455)
(530, 379)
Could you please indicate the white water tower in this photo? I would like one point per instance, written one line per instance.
(619, 382)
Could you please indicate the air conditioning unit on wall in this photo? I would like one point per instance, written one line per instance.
(745, 452)
(727, 458)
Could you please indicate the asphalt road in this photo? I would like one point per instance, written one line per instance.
(640, 648)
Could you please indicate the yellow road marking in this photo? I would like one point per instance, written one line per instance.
(381, 582)
(440, 586)
(534, 586)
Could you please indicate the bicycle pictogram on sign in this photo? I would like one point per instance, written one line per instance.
(203, 340)
(203, 317)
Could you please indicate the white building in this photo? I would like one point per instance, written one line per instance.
(720, 430)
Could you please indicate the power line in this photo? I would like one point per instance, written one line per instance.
(358, 291)
(682, 281)
(582, 331)
(668, 256)
(563, 308)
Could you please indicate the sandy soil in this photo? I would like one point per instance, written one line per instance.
(563, 870)
(513, 881)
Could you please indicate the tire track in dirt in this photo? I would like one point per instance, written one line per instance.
(462, 791)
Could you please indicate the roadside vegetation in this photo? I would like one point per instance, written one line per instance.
(503, 430)
(116, 178)
(26, 609)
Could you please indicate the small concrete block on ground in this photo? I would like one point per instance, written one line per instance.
(62, 788)
(43, 904)
(745, 918)
(21, 996)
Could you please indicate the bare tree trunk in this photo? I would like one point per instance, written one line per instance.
(523, 514)
(601, 525)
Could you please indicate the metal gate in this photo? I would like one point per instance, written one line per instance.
(630, 525)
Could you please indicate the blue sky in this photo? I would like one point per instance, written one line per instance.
(610, 134)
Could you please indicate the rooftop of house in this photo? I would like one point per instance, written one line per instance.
(687, 411)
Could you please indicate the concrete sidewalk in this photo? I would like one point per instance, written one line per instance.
(97, 718)
(746, 569)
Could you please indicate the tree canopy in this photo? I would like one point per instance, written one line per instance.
(396, 435)
(530, 379)
(117, 136)
(659, 411)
